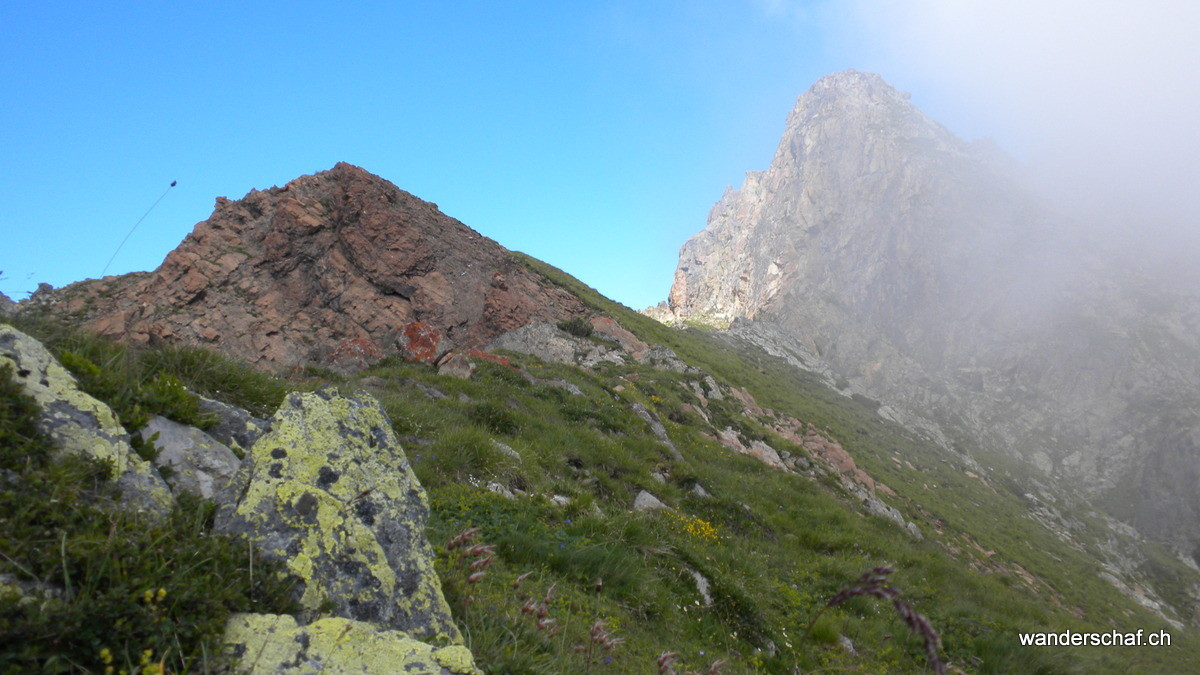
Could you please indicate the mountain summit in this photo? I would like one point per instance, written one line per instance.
(920, 270)
(864, 192)
(284, 276)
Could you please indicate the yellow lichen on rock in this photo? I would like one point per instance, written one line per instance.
(80, 424)
(270, 643)
(329, 492)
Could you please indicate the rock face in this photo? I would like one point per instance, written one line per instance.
(339, 260)
(329, 492)
(919, 270)
(79, 424)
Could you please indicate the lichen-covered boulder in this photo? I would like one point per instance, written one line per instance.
(80, 424)
(272, 643)
(329, 492)
(235, 427)
(193, 461)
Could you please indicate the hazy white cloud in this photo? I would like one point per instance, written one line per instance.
(1103, 95)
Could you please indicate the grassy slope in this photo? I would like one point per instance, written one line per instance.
(938, 495)
(774, 547)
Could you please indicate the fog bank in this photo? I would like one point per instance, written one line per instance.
(1101, 98)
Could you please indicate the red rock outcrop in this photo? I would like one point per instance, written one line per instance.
(284, 276)
(614, 331)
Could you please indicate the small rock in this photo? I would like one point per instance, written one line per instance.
(699, 491)
(765, 454)
(656, 427)
(506, 450)
(665, 359)
(629, 343)
(714, 391)
(702, 587)
(594, 355)
(501, 490)
(540, 339)
(456, 365)
(560, 501)
(432, 392)
(559, 383)
(420, 342)
(647, 502)
(198, 463)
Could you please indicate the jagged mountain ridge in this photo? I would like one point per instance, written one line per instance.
(921, 271)
(283, 276)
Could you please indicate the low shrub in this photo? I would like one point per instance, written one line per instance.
(578, 327)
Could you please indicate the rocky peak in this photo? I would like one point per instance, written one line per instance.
(921, 271)
(857, 112)
(865, 192)
(292, 275)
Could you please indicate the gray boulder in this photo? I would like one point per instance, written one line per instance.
(194, 461)
(647, 502)
(539, 339)
(79, 424)
(665, 359)
(456, 365)
(329, 493)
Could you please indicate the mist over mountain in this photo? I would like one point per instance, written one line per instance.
(931, 274)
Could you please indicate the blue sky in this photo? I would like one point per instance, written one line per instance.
(595, 136)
